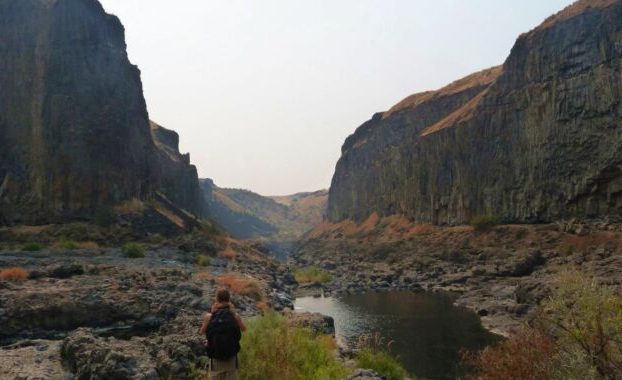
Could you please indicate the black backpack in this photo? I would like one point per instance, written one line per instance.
(223, 335)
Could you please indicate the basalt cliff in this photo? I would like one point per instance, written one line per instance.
(75, 134)
(537, 139)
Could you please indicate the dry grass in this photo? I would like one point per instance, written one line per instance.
(170, 216)
(421, 229)
(132, 207)
(581, 243)
(480, 78)
(263, 305)
(244, 286)
(203, 276)
(14, 275)
(228, 253)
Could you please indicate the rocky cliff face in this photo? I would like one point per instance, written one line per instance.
(178, 179)
(74, 128)
(536, 139)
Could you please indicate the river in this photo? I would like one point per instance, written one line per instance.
(426, 330)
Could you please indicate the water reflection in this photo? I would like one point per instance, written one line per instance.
(427, 331)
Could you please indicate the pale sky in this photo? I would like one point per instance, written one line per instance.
(263, 93)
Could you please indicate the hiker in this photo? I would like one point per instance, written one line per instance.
(223, 329)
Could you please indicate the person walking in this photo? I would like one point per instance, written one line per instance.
(223, 329)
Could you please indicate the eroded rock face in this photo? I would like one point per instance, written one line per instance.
(74, 128)
(534, 140)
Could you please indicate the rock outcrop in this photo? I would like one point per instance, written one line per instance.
(74, 130)
(537, 139)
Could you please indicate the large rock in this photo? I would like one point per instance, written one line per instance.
(536, 139)
(74, 129)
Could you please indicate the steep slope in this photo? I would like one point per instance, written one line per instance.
(74, 128)
(248, 215)
(537, 139)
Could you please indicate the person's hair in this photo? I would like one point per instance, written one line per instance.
(223, 295)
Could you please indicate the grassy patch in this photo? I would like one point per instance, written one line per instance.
(374, 354)
(484, 222)
(312, 275)
(133, 250)
(14, 275)
(203, 260)
(381, 362)
(68, 244)
(32, 247)
(272, 350)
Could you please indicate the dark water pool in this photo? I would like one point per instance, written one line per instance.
(426, 330)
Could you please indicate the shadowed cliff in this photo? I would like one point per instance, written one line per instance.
(74, 130)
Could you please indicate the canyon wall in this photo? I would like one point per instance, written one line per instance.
(74, 130)
(536, 139)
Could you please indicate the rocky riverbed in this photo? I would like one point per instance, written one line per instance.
(88, 313)
(502, 274)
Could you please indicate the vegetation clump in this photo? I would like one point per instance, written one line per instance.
(203, 260)
(68, 244)
(32, 247)
(273, 350)
(374, 354)
(133, 250)
(484, 222)
(312, 275)
(243, 286)
(577, 335)
(14, 275)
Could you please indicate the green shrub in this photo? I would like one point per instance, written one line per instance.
(312, 275)
(68, 244)
(133, 250)
(203, 260)
(382, 363)
(484, 222)
(32, 247)
(576, 335)
(273, 350)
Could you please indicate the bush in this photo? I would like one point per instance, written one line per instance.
(133, 250)
(14, 275)
(243, 286)
(203, 260)
(587, 321)
(32, 247)
(578, 335)
(272, 350)
(381, 362)
(312, 275)
(374, 354)
(528, 354)
(68, 244)
(484, 222)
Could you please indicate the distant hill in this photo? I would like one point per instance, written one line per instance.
(248, 215)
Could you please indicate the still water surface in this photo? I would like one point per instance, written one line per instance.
(427, 331)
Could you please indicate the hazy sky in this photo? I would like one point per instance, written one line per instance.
(264, 92)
